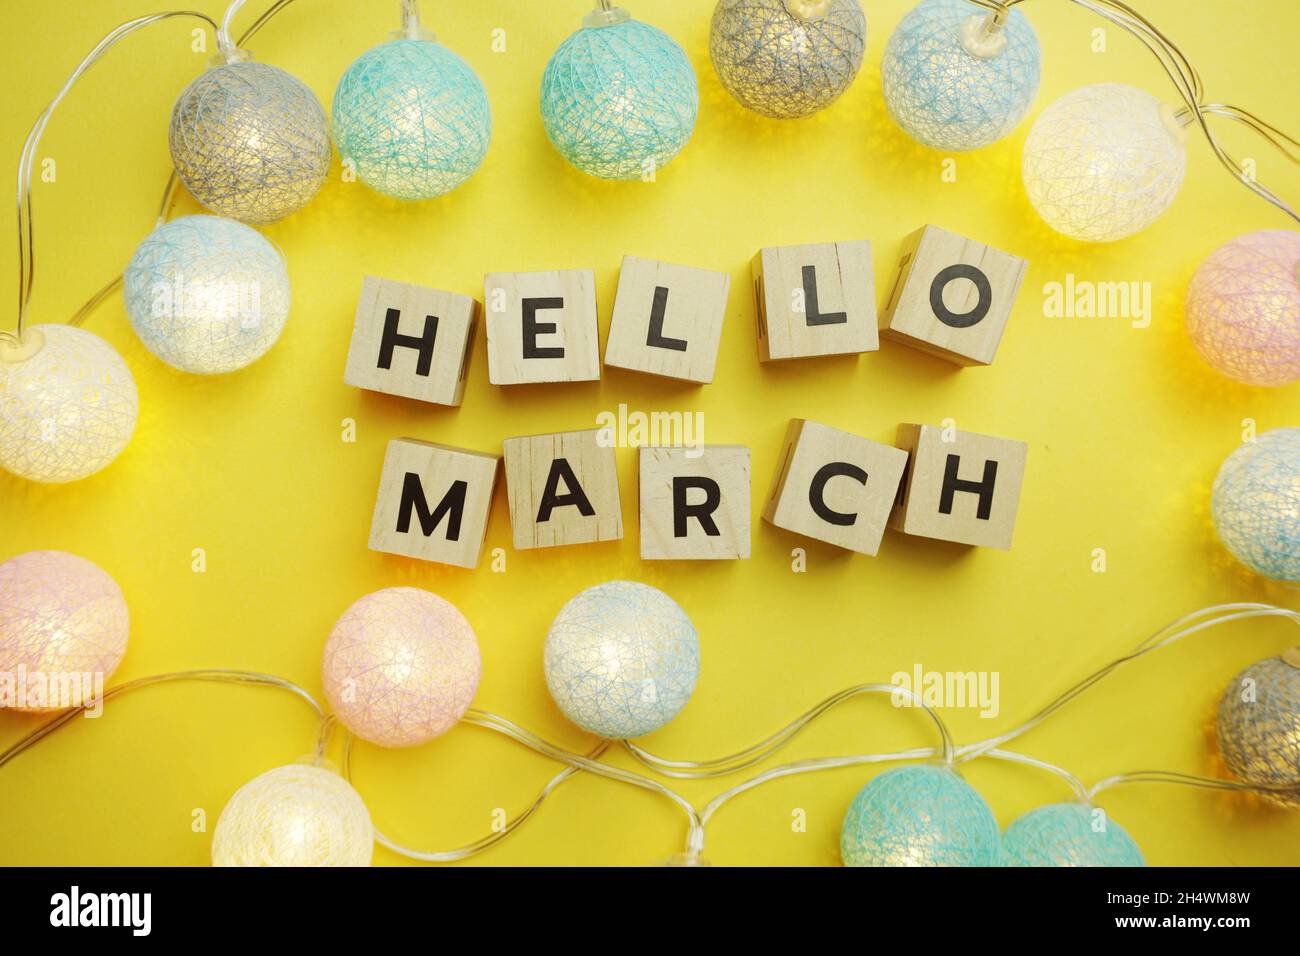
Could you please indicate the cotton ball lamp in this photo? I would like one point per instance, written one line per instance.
(401, 667)
(250, 141)
(920, 815)
(1256, 504)
(68, 404)
(619, 97)
(63, 624)
(1258, 726)
(621, 659)
(1243, 308)
(787, 58)
(1068, 834)
(207, 294)
(956, 78)
(300, 815)
(1104, 161)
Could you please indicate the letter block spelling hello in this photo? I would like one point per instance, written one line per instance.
(817, 299)
(953, 296)
(433, 502)
(667, 319)
(966, 489)
(563, 489)
(541, 327)
(834, 486)
(694, 507)
(411, 341)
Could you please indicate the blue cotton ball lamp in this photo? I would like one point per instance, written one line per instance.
(1256, 504)
(1068, 834)
(959, 77)
(619, 97)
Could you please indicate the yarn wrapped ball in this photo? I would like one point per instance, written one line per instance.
(1256, 504)
(68, 404)
(63, 624)
(619, 100)
(920, 815)
(621, 659)
(787, 58)
(1103, 162)
(401, 667)
(250, 141)
(1067, 834)
(299, 815)
(951, 87)
(1258, 726)
(207, 294)
(413, 119)
(1243, 308)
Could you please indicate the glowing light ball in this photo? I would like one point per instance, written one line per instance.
(401, 667)
(787, 58)
(1103, 162)
(413, 118)
(1243, 308)
(621, 659)
(250, 142)
(954, 85)
(1068, 834)
(207, 294)
(63, 630)
(1256, 504)
(299, 815)
(919, 816)
(68, 404)
(619, 97)
(1258, 726)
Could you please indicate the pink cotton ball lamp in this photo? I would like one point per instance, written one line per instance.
(1243, 308)
(401, 667)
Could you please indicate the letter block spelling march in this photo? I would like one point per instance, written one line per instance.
(816, 299)
(965, 490)
(411, 341)
(433, 502)
(834, 486)
(695, 507)
(541, 327)
(563, 489)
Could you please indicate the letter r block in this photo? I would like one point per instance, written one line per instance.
(965, 489)
(694, 502)
(563, 489)
(433, 502)
(834, 486)
(817, 299)
(541, 327)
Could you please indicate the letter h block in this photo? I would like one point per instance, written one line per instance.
(563, 489)
(816, 299)
(694, 502)
(541, 327)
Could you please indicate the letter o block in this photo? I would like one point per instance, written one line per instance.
(563, 489)
(694, 502)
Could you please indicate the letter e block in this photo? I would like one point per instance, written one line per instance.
(563, 489)
(541, 327)
(817, 299)
(695, 507)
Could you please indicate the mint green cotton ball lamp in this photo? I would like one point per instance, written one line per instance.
(1068, 834)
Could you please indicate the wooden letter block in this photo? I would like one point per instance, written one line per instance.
(411, 341)
(952, 297)
(834, 486)
(667, 319)
(817, 299)
(541, 327)
(563, 489)
(433, 502)
(695, 502)
(965, 489)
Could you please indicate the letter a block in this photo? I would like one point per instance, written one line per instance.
(667, 319)
(966, 489)
(563, 489)
(816, 299)
(952, 297)
(834, 486)
(695, 507)
(541, 327)
(411, 341)
(433, 502)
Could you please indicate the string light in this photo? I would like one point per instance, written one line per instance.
(1068, 834)
(1258, 727)
(1256, 504)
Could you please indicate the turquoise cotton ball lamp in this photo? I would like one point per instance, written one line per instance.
(619, 97)
(921, 815)
(1068, 834)
(957, 77)
(1256, 504)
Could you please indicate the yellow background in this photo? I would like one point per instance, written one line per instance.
(1126, 429)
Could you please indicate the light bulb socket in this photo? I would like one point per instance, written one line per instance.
(1177, 120)
(1291, 656)
(606, 15)
(982, 36)
(414, 33)
(20, 349)
(807, 9)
